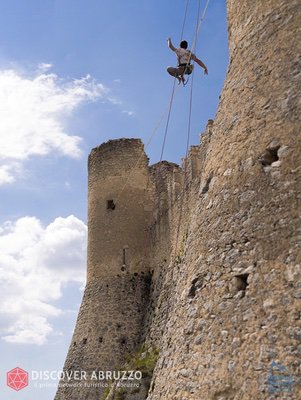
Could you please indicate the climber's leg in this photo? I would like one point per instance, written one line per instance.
(177, 73)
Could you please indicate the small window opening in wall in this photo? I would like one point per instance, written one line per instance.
(85, 340)
(100, 339)
(124, 258)
(111, 205)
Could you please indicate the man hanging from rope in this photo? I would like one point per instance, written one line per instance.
(184, 57)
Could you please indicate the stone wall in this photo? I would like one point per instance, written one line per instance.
(227, 307)
(108, 327)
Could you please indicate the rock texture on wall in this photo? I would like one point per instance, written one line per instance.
(220, 237)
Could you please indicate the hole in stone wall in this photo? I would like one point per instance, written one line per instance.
(195, 284)
(192, 290)
(85, 340)
(123, 341)
(119, 326)
(241, 282)
(100, 339)
(270, 156)
(207, 184)
(122, 268)
(74, 343)
(111, 205)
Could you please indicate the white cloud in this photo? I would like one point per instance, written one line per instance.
(44, 67)
(5, 174)
(35, 263)
(33, 115)
(129, 113)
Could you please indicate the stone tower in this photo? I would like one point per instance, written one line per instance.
(109, 324)
(119, 209)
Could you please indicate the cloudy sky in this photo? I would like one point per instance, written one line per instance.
(73, 74)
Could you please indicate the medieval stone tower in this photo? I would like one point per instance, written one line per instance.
(221, 236)
(119, 210)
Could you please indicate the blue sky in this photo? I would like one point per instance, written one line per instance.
(73, 74)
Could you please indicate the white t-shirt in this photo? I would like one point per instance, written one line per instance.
(184, 55)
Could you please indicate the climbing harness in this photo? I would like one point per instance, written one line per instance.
(187, 71)
(188, 68)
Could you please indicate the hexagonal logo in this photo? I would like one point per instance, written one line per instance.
(17, 379)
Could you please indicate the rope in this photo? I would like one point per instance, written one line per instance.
(168, 118)
(200, 23)
(188, 129)
(184, 22)
(192, 80)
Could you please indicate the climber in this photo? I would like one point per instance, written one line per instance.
(184, 57)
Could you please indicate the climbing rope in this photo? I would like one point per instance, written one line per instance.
(198, 25)
(168, 119)
(184, 21)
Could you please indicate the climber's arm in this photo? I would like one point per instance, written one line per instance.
(170, 45)
(200, 63)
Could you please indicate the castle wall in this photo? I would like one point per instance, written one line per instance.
(231, 298)
(220, 235)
